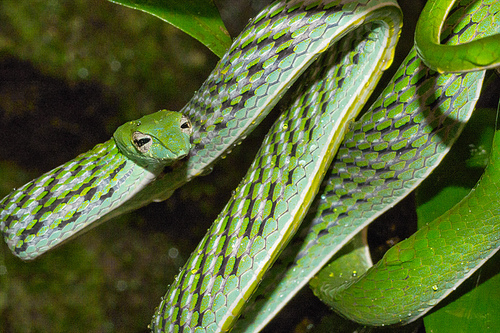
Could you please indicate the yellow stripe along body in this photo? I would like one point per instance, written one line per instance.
(269, 204)
(385, 155)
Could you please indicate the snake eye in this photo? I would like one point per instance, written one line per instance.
(142, 141)
(186, 125)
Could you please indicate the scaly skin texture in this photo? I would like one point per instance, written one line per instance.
(268, 205)
(421, 271)
(473, 53)
(418, 272)
(52, 208)
(385, 155)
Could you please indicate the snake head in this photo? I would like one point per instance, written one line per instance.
(155, 140)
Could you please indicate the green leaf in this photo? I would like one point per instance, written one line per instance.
(477, 308)
(475, 305)
(198, 18)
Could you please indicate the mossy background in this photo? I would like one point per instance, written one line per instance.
(70, 73)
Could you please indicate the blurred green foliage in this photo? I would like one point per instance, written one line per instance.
(198, 18)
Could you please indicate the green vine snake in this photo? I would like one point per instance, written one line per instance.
(332, 53)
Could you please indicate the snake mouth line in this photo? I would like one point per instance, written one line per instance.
(176, 165)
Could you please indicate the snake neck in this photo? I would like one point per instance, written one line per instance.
(68, 198)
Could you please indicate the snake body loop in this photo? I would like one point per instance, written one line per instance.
(331, 54)
(472, 54)
(386, 154)
(267, 207)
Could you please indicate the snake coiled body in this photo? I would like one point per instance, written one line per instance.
(330, 55)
